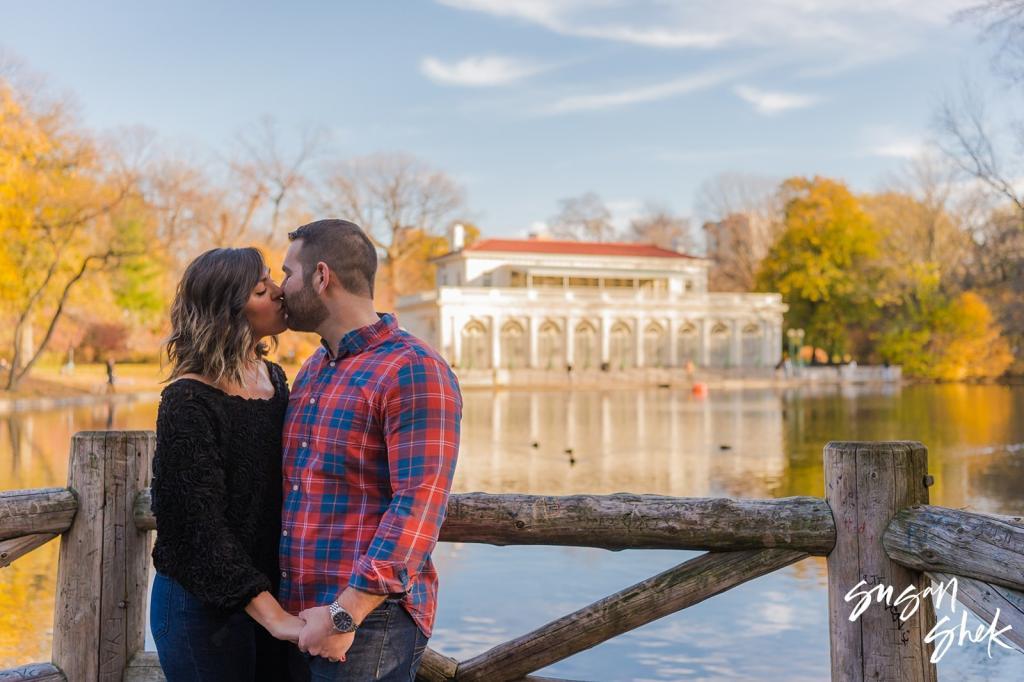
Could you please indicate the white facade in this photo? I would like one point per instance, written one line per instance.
(513, 304)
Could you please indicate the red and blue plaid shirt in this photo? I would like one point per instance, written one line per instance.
(371, 439)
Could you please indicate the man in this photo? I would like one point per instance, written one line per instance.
(371, 439)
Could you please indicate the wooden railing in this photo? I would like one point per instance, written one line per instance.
(874, 524)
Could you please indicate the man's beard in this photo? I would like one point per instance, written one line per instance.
(305, 311)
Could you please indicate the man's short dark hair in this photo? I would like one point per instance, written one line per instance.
(346, 250)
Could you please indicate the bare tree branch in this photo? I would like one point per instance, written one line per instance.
(583, 218)
(390, 196)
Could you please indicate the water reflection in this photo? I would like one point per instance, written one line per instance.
(664, 442)
(746, 444)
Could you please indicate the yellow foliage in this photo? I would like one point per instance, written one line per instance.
(824, 261)
(970, 345)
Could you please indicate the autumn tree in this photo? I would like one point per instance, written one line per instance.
(921, 228)
(402, 203)
(64, 215)
(583, 218)
(825, 262)
(742, 215)
(945, 338)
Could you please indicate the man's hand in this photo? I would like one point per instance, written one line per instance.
(317, 629)
(318, 636)
(335, 647)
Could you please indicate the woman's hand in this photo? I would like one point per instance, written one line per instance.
(266, 611)
(287, 627)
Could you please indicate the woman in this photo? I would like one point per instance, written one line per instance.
(217, 478)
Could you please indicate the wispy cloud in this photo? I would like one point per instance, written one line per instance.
(769, 103)
(478, 71)
(838, 32)
(567, 17)
(889, 143)
(899, 149)
(620, 98)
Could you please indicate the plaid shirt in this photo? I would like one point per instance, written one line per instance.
(370, 443)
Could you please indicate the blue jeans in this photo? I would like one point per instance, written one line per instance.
(199, 643)
(387, 648)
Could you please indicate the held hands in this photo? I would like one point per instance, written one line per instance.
(319, 638)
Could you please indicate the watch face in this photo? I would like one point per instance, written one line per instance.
(343, 621)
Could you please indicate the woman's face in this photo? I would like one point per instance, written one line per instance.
(265, 308)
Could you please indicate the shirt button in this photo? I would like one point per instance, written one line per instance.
(312, 401)
(332, 364)
(295, 487)
(305, 444)
(284, 574)
(284, 533)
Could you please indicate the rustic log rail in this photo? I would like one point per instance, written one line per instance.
(874, 524)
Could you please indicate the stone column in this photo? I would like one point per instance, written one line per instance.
(606, 340)
(444, 337)
(495, 342)
(456, 339)
(533, 359)
(705, 342)
(638, 350)
(768, 351)
(736, 345)
(673, 349)
(570, 341)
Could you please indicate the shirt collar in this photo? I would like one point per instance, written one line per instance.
(358, 340)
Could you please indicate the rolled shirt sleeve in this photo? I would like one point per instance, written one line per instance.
(422, 410)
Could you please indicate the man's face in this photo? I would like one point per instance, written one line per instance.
(304, 310)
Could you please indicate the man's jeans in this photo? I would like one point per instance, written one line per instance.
(387, 648)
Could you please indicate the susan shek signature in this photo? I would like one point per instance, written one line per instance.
(945, 632)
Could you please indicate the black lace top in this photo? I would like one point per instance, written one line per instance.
(217, 490)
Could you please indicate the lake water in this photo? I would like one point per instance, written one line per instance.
(650, 441)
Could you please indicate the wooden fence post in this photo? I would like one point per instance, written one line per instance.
(102, 577)
(865, 485)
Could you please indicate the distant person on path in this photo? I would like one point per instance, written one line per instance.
(110, 375)
(370, 445)
(217, 478)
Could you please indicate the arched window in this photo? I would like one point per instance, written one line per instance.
(752, 346)
(513, 345)
(476, 347)
(550, 346)
(586, 349)
(721, 340)
(655, 348)
(688, 344)
(621, 352)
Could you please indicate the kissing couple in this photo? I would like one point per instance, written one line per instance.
(295, 527)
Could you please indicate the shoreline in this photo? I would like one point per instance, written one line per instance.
(9, 406)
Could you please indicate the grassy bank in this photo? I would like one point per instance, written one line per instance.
(48, 381)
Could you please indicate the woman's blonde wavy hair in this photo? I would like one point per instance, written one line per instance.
(210, 334)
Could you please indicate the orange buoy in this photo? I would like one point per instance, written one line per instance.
(700, 389)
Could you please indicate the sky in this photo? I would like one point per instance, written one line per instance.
(526, 102)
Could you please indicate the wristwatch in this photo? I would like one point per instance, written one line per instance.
(342, 619)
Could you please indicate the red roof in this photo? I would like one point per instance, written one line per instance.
(576, 248)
